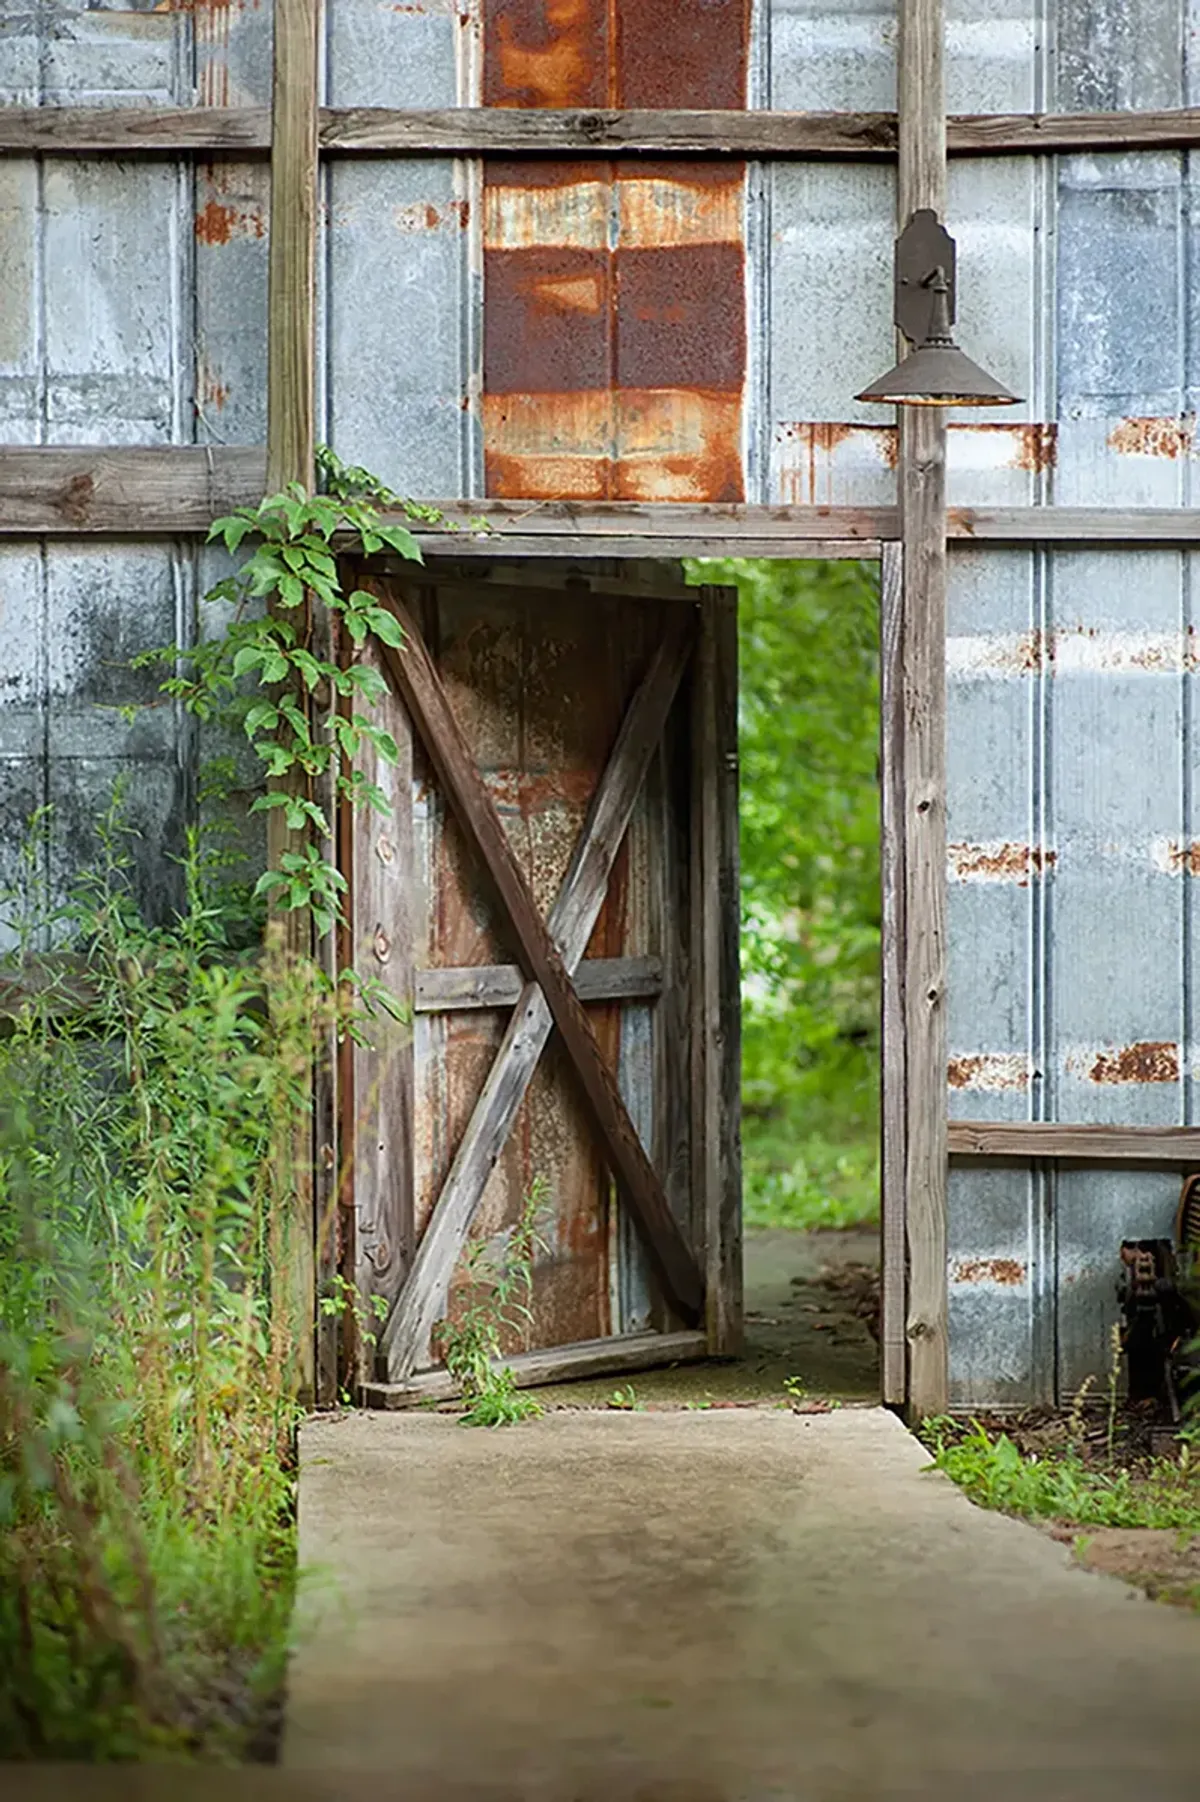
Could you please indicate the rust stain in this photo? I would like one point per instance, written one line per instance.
(546, 53)
(991, 1071)
(681, 317)
(531, 347)
(629, 444)
(212, 391)
(656, 210)
(1177, 859)
(1033, 446)
(1009, 1273)
(1038, 446)
(808, 468)
(74, 499)
(1007, 862)
(546, 214)
(688, 53)
(1167, 436)
(1152, 1060)
(219, 224)
(1001, 654)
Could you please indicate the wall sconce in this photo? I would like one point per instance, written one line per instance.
(937, 373)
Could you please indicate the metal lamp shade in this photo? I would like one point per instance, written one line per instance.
(939, 375)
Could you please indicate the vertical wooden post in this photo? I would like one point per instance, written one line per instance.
(291, 306)
(894, 1115)
(922, 473)
(716, 979)
(292, 265)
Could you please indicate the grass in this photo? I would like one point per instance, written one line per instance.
(824, 1183)
(147, 1556)
(492, 1305)
(810, 1156)
(1064, 1486)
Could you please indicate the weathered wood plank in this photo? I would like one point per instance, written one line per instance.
(1088, 1144)
(482, 131)
(291, 317)
(177, 490)
(1074, 525)
(725, 1236)
(170, 490)
(558, 1364)
(718, 541)
(516, 131)
(380, 1127)
(1018, 134)
(678, 520)
(715, 1005)
(893, 1113)
(501, 985)
(292, 263)
(134, 130)
(922, 479)
(553, 948)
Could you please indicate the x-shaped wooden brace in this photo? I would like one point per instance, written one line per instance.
(550, 950)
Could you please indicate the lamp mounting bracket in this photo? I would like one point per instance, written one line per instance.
(923, 247)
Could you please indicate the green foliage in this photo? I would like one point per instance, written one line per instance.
(153, 1091)
(809, 734)
(498, 1291)
(1061, 1486)
(626, 1399)
(271, 673)
(155, 1087)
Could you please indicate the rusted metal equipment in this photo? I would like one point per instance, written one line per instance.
(1159, 1297)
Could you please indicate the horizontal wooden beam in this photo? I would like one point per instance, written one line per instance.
(516, 131)
(177, 490)
(165, 491)
(1086, 1144)
(559, 1364)
(1074, 525)
(500, 985)
(132, 130)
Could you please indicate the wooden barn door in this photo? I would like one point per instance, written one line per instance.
(553, 902)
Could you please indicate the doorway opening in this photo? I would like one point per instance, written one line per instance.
(809, 744)
(570, 740)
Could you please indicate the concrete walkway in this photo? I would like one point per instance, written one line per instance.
(712, 1607)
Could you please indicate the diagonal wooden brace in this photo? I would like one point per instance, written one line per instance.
(549, 996)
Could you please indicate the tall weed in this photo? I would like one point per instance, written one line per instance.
(151, 1087)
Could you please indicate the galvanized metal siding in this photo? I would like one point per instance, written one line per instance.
(96, 299)
(1071, 734)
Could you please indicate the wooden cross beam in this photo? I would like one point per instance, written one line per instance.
(549, 950)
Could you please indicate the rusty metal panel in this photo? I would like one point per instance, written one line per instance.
(614, 352)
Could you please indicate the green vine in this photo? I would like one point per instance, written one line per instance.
(269, 673)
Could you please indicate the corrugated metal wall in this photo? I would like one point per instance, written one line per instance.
(689, 331)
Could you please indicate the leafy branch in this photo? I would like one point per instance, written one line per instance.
(270, 674)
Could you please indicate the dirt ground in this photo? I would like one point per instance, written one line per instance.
(1166, 1565)
(812, 1312)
